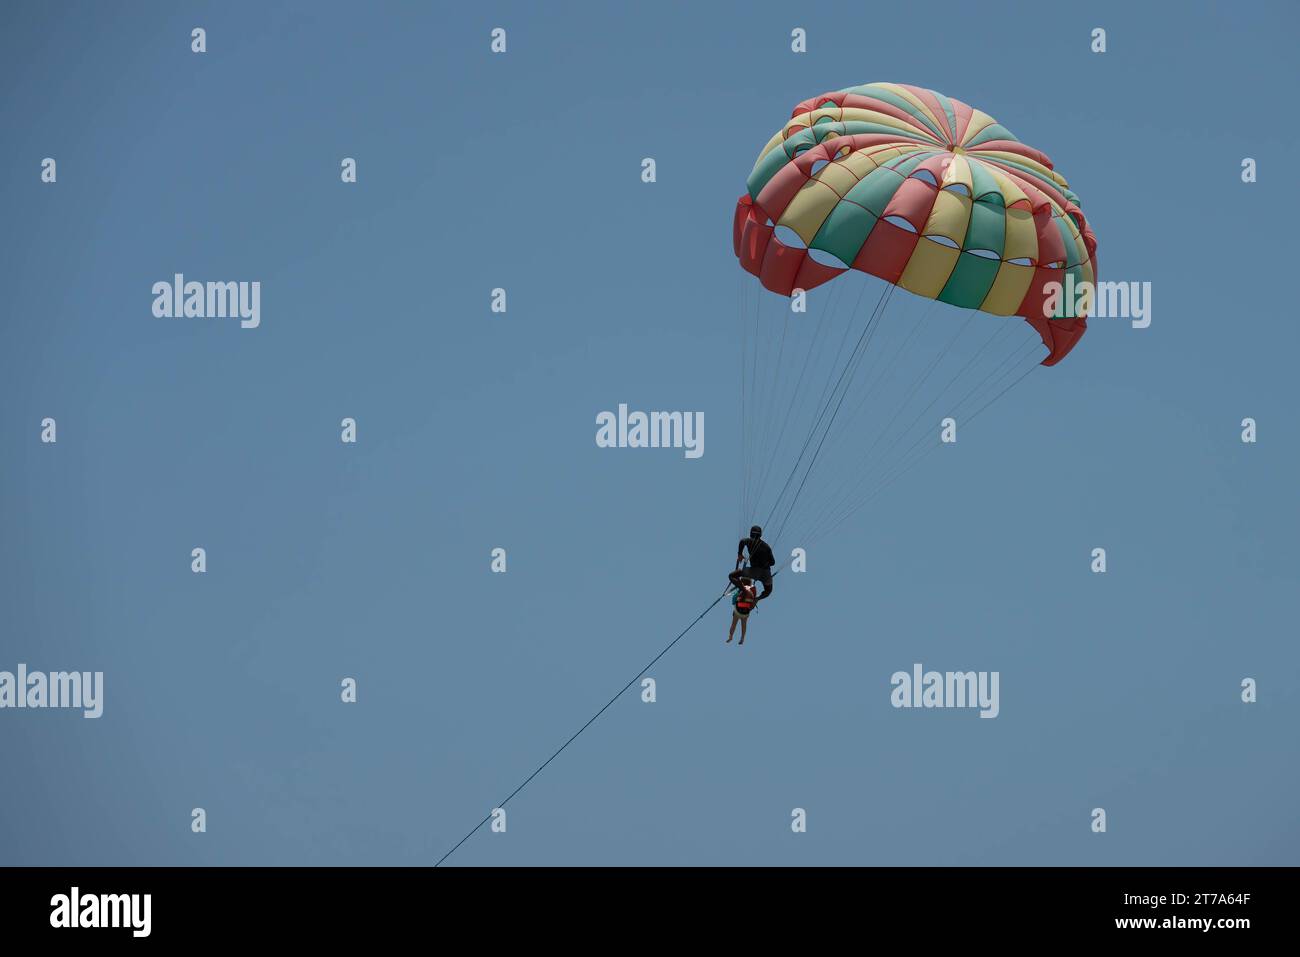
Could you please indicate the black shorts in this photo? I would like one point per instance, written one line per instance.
(759, 574)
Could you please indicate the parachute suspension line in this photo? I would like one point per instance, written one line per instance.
(823, 400)
(751, 425)
(827, 312)
(898, 473)
(889, 465)
(1011, 371)
(828, 389)
(940, 394)
(916, 385)
(590, 722)
(853, 475)
(846, 377)
(857, 360)
(997, 334)
(1014, 382)
(766, 409)
(744, 348)
(875, 481)
(850, 370)
(761, 464)
(823, 407)
(853, 487)
(817, 423)
(892, 362)
(1018, 353)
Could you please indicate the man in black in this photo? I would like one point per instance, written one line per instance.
(761, 561)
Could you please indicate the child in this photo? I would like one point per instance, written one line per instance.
(742, 603)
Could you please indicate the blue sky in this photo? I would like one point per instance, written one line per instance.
(522, 171)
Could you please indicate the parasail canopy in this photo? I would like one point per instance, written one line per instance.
(924, 192)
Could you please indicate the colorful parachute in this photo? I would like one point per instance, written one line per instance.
(922, 191)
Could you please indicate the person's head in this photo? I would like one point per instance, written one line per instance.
(746, 582)
(755, 532)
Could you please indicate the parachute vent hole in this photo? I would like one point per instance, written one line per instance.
(925, 176)
(1020, 261)
(958, 188)
(818, 166)
(788, 237)
(984, 253)
(901, 223)
(823, 258)
(943, 241)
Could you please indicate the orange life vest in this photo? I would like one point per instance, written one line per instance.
(746, 601)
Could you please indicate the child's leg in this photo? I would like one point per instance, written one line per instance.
(744, 627)
(731, 632)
